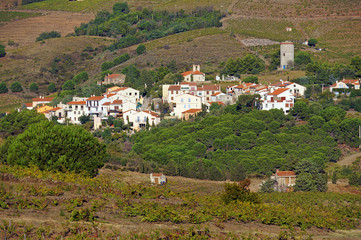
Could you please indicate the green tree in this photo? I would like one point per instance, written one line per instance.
(48, 35)
(52, 87)
(356, 65)
(107, 65)
(238, 173)
(16, 122)
(81, 77)
(33, 87)
(305, 182)
(300, 110)
(312, 42)
(67, 148)
(3, 88)
(171, 169)
(2, 51)
(141, 49)
(16, 87)
(68, 85)
(119, 8)
(84, 119)
(250, 79)
(239, 192)
(267, 186)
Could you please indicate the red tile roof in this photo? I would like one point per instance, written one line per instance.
(45, 99)
(192, 72)
(278, 91)
(96, 98)
(193, 110)
(154, 114)
(189, 83)
(117, 102)
(77, 103)
(215, 94)
(219, 103)
(113, 75)
(210, 87)
(157, 174)
(174, 88)
(55, 109)
(285, 173)
(111, 95)
(28, 104)
(106, 104)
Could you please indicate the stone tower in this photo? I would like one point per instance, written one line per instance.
(287, 55)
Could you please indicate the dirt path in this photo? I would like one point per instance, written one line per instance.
(348, 160)
(26, 31)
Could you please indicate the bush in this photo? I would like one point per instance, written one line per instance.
(239, 192)
(2, 51)
(16, 87)
(250, 79)
(141, 49)
(312, 42)
(81, 77)
(68, 85)
(33, 87)
(48, 35)
(107, 65)
(3, 88)
(52, 87)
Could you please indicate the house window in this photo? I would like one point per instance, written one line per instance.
(176, 92)
(172, 98)
(145, 119)
(130, 94)
(76, 107)
(135, 93)
(207, 98)
(138, 119)
(185, 106)
(207, 92)
(287, 105)
(189, 106)
(89, 108)
(181, 99)
(189, 100)
(171, 92)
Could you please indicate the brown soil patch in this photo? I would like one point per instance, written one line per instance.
(26, 31)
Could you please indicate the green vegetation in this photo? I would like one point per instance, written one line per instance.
(3, 88)
(118, 60)
(6, 16)
(139, 26)
(33, 87)
(16, 87)
(2, 51)
(57, 147)
(141, 49)
(80, 78)
(52, 88)
(264, 28)
(48, 35)
(248, 64)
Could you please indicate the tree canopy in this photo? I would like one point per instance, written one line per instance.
(57, 147)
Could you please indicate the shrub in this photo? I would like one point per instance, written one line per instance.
(239, 192)
(2, 51)
(48, 35)
(141, 49)
(3, 88)
(107, 65)
(52, 87)
(16, 87)
(81, 77)
(33, 87)
(68, 85)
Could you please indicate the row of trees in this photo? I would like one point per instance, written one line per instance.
(47, 35)
(139, 26)
(250, 64)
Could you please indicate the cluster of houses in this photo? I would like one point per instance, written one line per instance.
(185, 99)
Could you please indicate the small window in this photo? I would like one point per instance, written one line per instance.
(189, 106)
(172, 98)
(181, 99)
(189, 99)
(185, 106)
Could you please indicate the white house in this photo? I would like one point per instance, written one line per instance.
(126, 94)
(76, 109)
(194, 76)
(139, 118)
(280, 98)
(185, 102)
(205, 92)
(41, 100)
(95, 106)
(295, 89)
(345, 83)
(158, 178)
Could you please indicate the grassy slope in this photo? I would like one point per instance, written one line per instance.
(12, 16)
(115, 197)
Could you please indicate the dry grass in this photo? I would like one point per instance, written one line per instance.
(9, 102)
(275, 76)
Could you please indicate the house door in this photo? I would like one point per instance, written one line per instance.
(156, 180)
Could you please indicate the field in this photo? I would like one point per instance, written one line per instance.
(123, 204)
(12, 16)
(63, 22)
(97, 5)
(9, 102)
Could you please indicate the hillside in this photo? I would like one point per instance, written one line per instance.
(124, 205)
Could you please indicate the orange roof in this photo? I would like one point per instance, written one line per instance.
(45, 99)
(215, 94)
(117, 102)
(157, 174)
(28, 104)
(96, 98)
(219, 103)
(193, 110)
(278, 91)
(192, 72)
(286, 43)
(106, 104)
(174, 88)
(113, 75)
(111, 95)
(210, 87)
(77, 103)
(120, 89)
(189, 83)
(154, 114)
(55, 109)
(285, 173)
